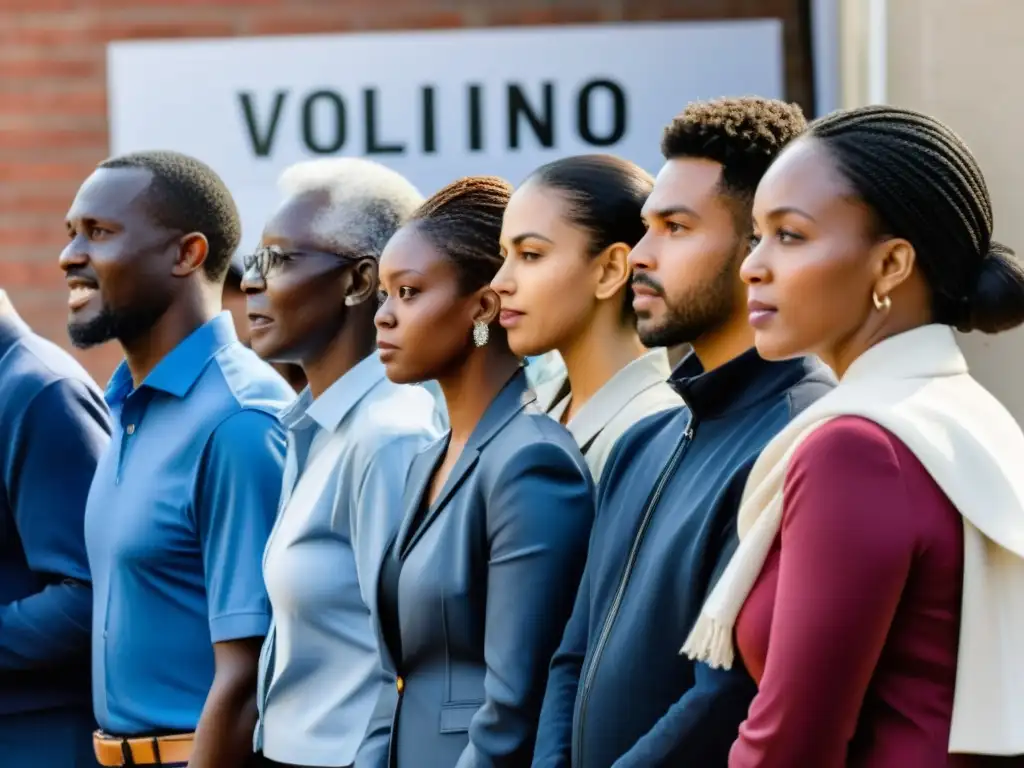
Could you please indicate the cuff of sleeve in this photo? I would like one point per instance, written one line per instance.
(236, 626)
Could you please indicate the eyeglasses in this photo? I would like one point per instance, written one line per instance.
(268, 258)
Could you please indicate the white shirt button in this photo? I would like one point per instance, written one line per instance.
(130, 429)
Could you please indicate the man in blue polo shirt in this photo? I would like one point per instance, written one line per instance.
(53, 427)
(184, 498)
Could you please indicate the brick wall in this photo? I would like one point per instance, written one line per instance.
(53, 126)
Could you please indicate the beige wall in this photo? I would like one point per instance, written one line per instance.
(960, 60)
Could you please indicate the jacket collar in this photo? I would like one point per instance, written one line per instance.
(620, 390)
(738, 384)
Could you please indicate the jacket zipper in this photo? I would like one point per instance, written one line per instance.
(613, 612)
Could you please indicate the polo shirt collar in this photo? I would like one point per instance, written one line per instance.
(338, 400)
(181, 368)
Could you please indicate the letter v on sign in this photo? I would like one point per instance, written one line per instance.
(262, 139)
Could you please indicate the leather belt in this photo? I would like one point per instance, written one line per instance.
(142, 750)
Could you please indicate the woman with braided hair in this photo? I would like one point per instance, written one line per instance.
(477, 586)
(877, 595)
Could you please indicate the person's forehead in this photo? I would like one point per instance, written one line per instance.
(533, 207)
(803, 177)
(111, 193)
(684, 183)
(409, 250)
(295, 222)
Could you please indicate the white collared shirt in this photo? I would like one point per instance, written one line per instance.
(348, 455)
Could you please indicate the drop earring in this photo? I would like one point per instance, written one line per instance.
(481, 333)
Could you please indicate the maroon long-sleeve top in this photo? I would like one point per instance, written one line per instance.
(851, 630)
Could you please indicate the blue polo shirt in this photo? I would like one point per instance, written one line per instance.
(175, 525)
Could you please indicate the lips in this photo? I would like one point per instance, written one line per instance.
(258, 322)
(383, 345)
(80, 292)
(509, 317)
(759, 313)
(642, 289)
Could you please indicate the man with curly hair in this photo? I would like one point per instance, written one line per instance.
(620, 694)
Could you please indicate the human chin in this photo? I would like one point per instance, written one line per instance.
(775, 342)
(650, 325)
(265, 343)
(524, 342)
(91, 330)
(398, 369)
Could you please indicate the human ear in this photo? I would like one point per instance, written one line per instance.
(193, 249)
(362, 282)
(614, 271)
(487, 307)
(894, 261)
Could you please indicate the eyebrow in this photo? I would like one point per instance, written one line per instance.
(518, 239)
(789, 209)
(88, 220)
(675, 210)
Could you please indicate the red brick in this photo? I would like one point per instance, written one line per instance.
(84, 102)
(99, 31)
(31, 274)
(296, 22)
(545, 16)
(148, 30)
(44, 170)
(32, 236)
(344, 18)
(387, 19)
(40, 67)
(45, 140)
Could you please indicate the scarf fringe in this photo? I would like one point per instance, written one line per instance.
(710, 642)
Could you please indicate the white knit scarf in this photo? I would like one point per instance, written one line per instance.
(917, 386)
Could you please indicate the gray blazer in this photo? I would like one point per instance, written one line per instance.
(487, 576)
(635, 392)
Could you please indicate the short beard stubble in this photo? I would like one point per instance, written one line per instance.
(703, 310)
(109, 325)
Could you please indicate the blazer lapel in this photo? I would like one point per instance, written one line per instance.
(465, 463)
(416, 487)
(510, 400)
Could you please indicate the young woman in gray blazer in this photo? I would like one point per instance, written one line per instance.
(479, 582)
(565, 286)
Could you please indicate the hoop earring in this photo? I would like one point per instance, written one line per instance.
(883, 304)
(481, 333)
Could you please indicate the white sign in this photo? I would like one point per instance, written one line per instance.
(434, 106)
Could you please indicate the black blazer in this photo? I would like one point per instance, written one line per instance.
(487, 579)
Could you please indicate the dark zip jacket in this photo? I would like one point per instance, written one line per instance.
(620, 694)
